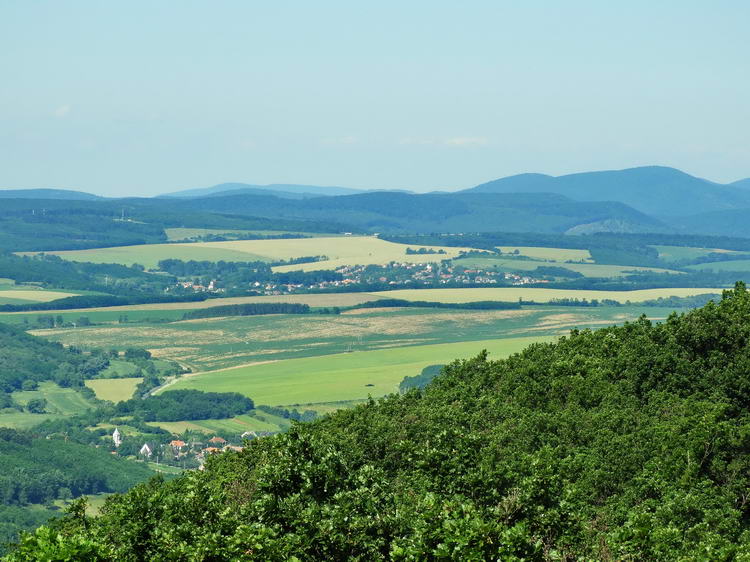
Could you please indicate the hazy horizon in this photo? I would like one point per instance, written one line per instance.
(150, 98)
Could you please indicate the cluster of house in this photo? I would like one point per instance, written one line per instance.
(393, 274)
(200, 288)
(178, 448)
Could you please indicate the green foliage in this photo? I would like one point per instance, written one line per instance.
(37, 405)
(252, 309)
(474, 305)
(625, 443)
(186, 405)
(26, 358)
(421, 380)
(557, 271)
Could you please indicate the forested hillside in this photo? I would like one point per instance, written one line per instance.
(35, 470)
(27, 358)
(624, 443)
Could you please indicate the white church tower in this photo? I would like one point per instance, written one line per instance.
(117, 438)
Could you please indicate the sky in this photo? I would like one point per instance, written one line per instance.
(147, 97)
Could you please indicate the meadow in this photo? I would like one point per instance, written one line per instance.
(733, 265)
(256, 421)
(215, 343)
(511, 264)
(178, 234)
(175, 310)
(541, 295)
(61, 402)
(114, 390)
(341, 250)
(549, 254)
(680, 253)
(14, 295)
(348, 376)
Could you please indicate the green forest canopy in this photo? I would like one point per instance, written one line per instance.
(628, 442)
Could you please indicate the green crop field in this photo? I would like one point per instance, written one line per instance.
(177, 234)
(149, 255)
(259, 421)
(215, 343)
(175, 310)
(114, 390)
(61, 402)
(509, 264)
(550, 254)
(14, 295)
(513, 294)
(118, 369)
(733, 265)
(346, 376)
(341, 250)
(679, 253)
(24, 420)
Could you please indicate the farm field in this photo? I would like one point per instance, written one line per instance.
(215, 343)
(114, 390)
(509, 264)
(341, 250)
(733, 265)
(679, 253)
(549, 254)
(259, 421)
(14, 295)
(149, 255)
(118, 369)
(177, 234)
(513, 294)
(61, 402)
(24, 420)
(346, 376)
(175, 310)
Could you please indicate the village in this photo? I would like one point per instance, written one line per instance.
(188, 452)
(379, 277)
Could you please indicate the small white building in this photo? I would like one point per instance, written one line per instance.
(117, 438)
(145, 450)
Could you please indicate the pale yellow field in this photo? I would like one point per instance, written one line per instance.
(341, 250)
(554, 254)
(34, 295)
(512, 294)
(114, 390)
(322, 300)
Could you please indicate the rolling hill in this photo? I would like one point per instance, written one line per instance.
(654, 190)
(64, 194)
(383, 211)
(291, 191)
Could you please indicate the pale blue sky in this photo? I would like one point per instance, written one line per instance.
(138, 98)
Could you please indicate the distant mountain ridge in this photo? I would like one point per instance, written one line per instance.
(383, 211)
(647, 199)
(289, 191)
(43, 193)
(655, 190)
